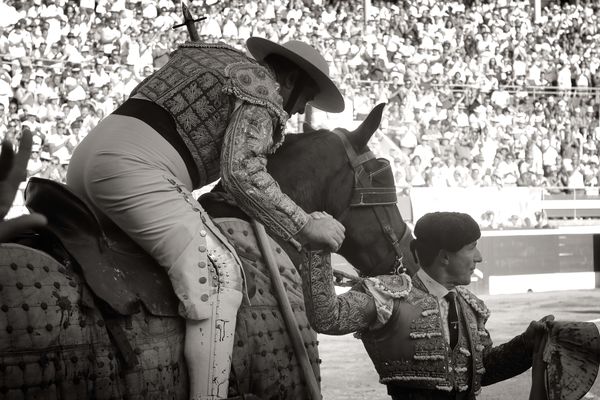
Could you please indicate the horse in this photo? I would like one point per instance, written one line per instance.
(76, 323)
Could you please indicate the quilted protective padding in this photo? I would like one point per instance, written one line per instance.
(54, 347)
(263, 358)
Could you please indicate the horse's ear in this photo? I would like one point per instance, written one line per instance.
(361, 135)
(307, 128)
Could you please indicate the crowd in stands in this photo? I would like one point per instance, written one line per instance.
(479, 93)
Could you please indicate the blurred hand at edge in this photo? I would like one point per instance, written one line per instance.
(13, 170)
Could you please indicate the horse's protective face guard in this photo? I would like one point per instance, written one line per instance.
(374, 188)
(381, 190)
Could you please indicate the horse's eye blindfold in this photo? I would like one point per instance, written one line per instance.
(381, 190)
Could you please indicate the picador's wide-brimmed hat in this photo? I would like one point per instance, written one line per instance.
(309, 60)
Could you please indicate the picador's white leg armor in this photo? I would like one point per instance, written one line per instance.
(131, 174)
(209, 336)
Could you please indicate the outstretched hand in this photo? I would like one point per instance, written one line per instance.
(322, 230)
(536, 330)
(13, 170)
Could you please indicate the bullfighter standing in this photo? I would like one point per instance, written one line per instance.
(425, 335)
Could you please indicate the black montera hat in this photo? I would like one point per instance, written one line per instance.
(449, 231)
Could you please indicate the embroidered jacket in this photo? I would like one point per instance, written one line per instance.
(400, 325)
(229, 113)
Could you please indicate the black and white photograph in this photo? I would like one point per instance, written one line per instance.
(299, 199)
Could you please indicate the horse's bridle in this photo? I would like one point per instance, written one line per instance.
(365, 195)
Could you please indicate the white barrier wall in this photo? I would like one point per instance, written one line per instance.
(503, 202)
(552, 282)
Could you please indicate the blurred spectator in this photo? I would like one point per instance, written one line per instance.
(61, 142)
(541, 220)
(416, 172)
(35, 164)
(488, 220)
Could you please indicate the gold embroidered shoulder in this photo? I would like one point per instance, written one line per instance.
(226, 105)
(475, 302)
(254, 84)
(385, 289)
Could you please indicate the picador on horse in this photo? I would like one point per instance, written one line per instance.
(127, 287)
(148, 295)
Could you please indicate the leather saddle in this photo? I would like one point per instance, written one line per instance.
(116, 269)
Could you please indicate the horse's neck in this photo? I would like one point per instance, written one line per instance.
(293, 167)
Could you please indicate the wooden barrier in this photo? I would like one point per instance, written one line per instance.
(538, 260)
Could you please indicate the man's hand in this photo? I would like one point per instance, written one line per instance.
(13, 170)
(535, 331)
(322, 230)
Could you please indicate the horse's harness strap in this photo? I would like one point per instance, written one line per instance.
(360, 159)
(373, 197)
(365, 194)
(352, 155)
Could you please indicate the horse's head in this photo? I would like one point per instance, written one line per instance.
(337, 173)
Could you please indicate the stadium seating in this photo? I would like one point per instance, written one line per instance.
(480, 93)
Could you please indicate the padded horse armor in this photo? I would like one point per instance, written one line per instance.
(263, 358)
(55, 344)
(117, 270)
